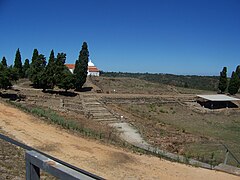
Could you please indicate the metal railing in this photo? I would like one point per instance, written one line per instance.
(36, 160)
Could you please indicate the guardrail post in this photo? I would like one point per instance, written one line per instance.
(32, 171)
(36, 161)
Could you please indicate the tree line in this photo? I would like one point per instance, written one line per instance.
(231, 86)
(46, 75)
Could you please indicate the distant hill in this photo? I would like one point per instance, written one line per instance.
(187, 81)
(129, 85)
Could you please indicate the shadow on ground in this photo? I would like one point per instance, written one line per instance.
(12, 96)
(85, 89)
(62, 93)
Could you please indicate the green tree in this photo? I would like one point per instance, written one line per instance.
(4, 61)
(238, 71)
(222, 86)
(32, 72)
(234, 84)
(67, 81)
(26, 67)
(35, 55)
(13, 76)
(18, 64)
(48, 76)
(5, 81)
(81, 67)
(59, 67)
(36, 69)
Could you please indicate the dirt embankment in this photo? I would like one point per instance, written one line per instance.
(105, 161)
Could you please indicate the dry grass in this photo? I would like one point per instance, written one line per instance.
(131, 86)
(179, 129)
(12, 162)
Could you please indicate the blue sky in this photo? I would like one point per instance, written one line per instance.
(158, 36)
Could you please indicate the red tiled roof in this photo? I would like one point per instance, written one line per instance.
(90, 68)
(70, 66)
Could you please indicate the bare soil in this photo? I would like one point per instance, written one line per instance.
(106, 161)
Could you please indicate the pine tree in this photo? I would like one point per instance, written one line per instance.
(234, 84)
(4, 61)
(67, 81)
(81, 67)
(18, 64)
(48, 76)
(26, 67)
(222, 86)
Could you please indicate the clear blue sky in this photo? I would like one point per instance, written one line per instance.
(158, 36)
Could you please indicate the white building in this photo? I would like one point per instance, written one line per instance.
(92, 69)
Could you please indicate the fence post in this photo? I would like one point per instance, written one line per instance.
(32, 171)
(226, 157)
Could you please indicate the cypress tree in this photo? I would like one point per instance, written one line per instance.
(13, 73)
(48, 76)
(81, 67)
(32, 70)
(234, 84)
(37, 68)
(4, 61)
(26, 67)
(222, 86)
(35, 55)
(59, 67)
(238, 71)
(18, 63)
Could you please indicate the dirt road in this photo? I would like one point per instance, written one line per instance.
(105, 161)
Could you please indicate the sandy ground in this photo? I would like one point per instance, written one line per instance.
(106, 161)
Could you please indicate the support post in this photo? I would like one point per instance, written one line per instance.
(32, 171)
(226, 157)
(36, 161)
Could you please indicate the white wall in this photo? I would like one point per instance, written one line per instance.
(93, 73)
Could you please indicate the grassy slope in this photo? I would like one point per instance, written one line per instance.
(190, 81)
(180, 129)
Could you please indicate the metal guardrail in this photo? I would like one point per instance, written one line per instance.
(36, 160)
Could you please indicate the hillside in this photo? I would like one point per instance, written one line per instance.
(128, 85)
(188, 81)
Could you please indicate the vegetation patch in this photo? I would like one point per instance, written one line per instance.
(177, 129)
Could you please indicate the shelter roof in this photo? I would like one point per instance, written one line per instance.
(218, 97)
